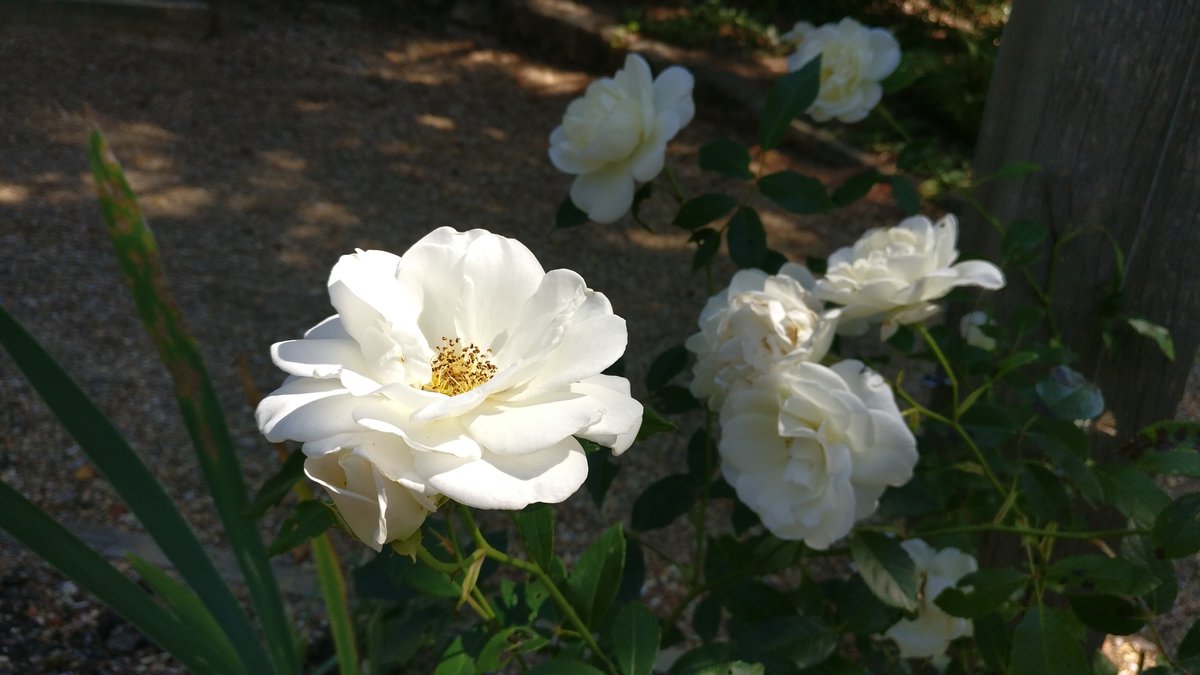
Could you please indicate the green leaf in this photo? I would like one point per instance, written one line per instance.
(601, 472)
(58, 546)
(277, 486)
(455, 660)
(1133, 493)
(653, 423)
(568, 215)
(188, 607)
(1067, 395)
(1160, 335)
(593, 582)
(1169, 435)
(1176, 531)
(137, 254)
(662, 502)
(635, 636)
(711, 659)
(1022, 242)
(904, 75)
(989, 424)
(856, 187)
(1099, 574)
(701, 460)
(666, 366)
(994, 641)
(643, 193)
(535, 524)
(795, 192)
(887, 568)
(1043, 645)
(802, 641)
(706, 618)
(306, 521)
(905, 195)
(709, 243)
(700, 211)
(1107, 614)
(674, 399)
(1140, 551)
(726, 157)
(1189, 646)
(981, 593)
(563, 665)
(133, 482)
(791, 95)
(1171, 463)
(747, 239)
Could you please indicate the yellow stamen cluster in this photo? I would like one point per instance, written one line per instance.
(458, 368)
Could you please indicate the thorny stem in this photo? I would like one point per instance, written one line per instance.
(532, 568)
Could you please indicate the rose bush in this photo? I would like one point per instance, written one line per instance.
(893, 275)
(811, 448)
(617, 133)
(752, 326)
(461, 369)
(854, 60)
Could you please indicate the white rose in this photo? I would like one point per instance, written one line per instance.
(749, 328)
(618, 132)
(854, 59)
(811, 448)
(475, 368)
(892, 275)
(970, 326)
(931, 632)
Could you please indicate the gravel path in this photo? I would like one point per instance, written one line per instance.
(260, 155)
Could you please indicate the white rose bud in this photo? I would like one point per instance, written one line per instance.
(811, 448)
(754, 325)
(618, 132)
(931, 632)
(854, 60)
(893, 275)
(971, 325)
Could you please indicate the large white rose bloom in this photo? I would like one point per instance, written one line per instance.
(893, 275)
(854, 59)
(754, 325)
(461, 369)
(930, 633)
(811, 448)
(617, 132)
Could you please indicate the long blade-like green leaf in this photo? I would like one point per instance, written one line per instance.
(137, 254)
(111, 454)
(190, 609)
(58, 546)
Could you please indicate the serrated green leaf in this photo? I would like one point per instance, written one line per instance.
(635, 636)
(1176, 531)
(1099, 574)
(1043, 645)
(1160, 335)
(653, 423)
(568, 215)
(564, 665)
(1171, 463)
(674, 399)
(1068, 395)
(886, 568)
(306, 521)
(594, 581)
(981, 593)
(747, 239)
(856, 187)
(1133, 493)
(1107, 614)
(670, 363)
(455, 660)
(700, 211)
(795, 192)
(662, 502)
(535, 525)
(791, 95)
(726, 157)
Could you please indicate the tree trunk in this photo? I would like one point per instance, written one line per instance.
(1105, 96)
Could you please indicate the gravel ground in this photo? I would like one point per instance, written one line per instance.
(260, 155)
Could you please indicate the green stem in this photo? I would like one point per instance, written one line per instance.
(1027, 531)
(333, 589)
(451, 570)
(893, 122)
(674, 183)
(532, 568)
(944, 362)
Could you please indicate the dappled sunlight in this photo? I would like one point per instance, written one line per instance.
(12, 194)
(439, 122)
(178, 201)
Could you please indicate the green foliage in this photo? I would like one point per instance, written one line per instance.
(790, 96)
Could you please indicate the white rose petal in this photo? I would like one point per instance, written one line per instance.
(757, 323)
(970, 327)
(893, 275)
(931, 632)
(810, 449)
(854, 60)
(461, 369)
(617, 133)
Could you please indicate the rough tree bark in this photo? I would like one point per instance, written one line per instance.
(1105, 96)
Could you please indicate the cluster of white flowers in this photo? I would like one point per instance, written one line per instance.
(460, 370)
(811, 448)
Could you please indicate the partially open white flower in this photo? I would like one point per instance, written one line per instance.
(971, 328)
(618, 132)
(893, 275)
(460, 369)
(810, 448)
(753, 326)
(931, 632)
(854, 59)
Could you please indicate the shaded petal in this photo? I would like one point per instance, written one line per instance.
(498, 275)
(507, 481)
(306, 409)
(438, 436)
(606, 194)
(618, 427)
(979, 273)
(516, 428)
(673, 92)
(329, 329)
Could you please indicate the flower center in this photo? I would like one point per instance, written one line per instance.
(459, 368)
